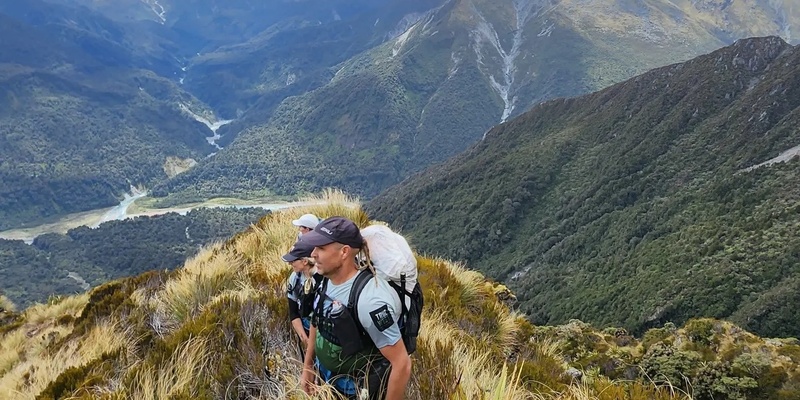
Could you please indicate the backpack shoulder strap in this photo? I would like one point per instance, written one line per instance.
(295, 288)
(352, 302)
(320, 289)
(358, 286)
(317, 277)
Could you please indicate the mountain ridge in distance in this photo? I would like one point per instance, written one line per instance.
(462, 68)
(632, 205)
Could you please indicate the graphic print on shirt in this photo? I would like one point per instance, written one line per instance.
(382, 318)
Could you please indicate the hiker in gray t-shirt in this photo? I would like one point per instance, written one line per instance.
(384, 365)
(377, 299)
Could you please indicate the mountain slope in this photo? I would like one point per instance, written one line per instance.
(79, 122)
(218, 329)
(294, 55)
(632, 205)
(463, 67)
(238, 54)
(143, 46)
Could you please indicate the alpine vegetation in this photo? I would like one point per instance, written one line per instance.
(218, 329)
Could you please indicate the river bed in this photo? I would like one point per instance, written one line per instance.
(119, 212)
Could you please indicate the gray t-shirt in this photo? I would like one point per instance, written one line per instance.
(292, 288)
(378, 308)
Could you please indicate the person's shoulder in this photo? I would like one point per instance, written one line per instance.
(378, 289)
(378, 311)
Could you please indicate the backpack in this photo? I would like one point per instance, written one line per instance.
(305, 300)
(394, 261)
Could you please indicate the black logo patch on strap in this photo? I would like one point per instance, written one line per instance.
(382, 318)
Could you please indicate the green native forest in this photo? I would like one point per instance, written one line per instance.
(602, 195)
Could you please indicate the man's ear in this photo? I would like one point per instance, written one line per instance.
(347, 252)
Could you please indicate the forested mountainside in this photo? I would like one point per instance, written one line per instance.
(658, 199)
(98, 96)
(458, 70)
(58, 265)
(218, 329)
(80, 119)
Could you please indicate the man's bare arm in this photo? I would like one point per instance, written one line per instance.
(401, 370)
(307, 377)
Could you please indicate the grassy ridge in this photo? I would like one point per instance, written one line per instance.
(217, 328)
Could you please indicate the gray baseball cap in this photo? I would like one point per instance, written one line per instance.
(334, 229)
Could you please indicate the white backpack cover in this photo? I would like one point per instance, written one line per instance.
(391, 255)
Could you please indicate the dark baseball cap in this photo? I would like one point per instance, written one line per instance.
(334, 229)
(299, 250)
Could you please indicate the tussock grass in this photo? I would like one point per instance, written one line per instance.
(6, 303)
(243, 292)
(321, 392)
(333, 202)
(261, 242)
(175, 377)
(200, 281)
(507, 386)
(262, 254)
(12, 347)
(72, 305)
(39, 364)
(20, 348)
(218, 329)
(450, 363)
(507, 327)
(33, 367)
(471, 282)
(198, 263)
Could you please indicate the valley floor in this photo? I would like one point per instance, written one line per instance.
(137, 208)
